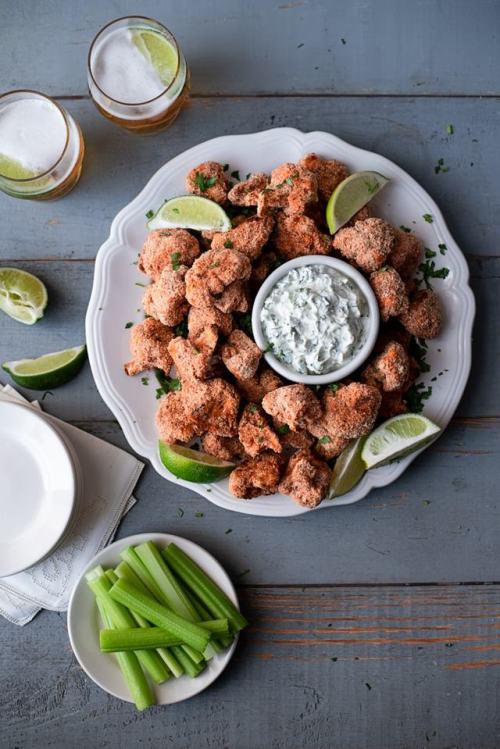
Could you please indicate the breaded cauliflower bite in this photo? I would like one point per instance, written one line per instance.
(200, 318)
(298, 235)
(213, 406)
(208, 180)
(292, 188)
(247, 193)
(191, 363)
(165, 299)
(256, 476)
(254, 432)
(216, 280)
(306, 479)
(406, 253)
(350, 411)
(224, 448)
(329, 173)
(390, 370)
(149, 347)
(390, 291)
(423, 318)
(294, 405)
(241, 355)
(167, 248)
(367, 244)
(249, 237)
(264, 381)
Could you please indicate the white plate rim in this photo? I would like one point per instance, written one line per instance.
(323, 143)
(105, 557)
(70, 500)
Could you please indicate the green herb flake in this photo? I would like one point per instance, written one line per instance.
(427, 217)
(440, 168)
(175, 257)
(242, 574)
(167, 384)
(128, 325)
(283, 429)
(368, 686)
(253, 408)
(300, 45)
(430, 253)
(289, 181)
(245, 323)
(334, 658)
(333, 387)
(199, 514)
(228, 244)
(182, 329)
(235, 175)
(175, 210)
(405, 228)
(142, 285)
(449, 644)
(226, 167)
(203, 183)
(450, 129)
(324, 440)
(426, 502)
(150, 214)
(214, 265)
(180, 512)
(371, 186)
(428, 270)
(442, 249)
(343, 40)
(145, 380)
(416, 397)
(229, 530)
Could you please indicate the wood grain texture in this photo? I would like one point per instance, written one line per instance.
(323, 668)
(411, 132)
(274, 46)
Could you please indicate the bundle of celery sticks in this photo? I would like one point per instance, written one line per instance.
(162, 617)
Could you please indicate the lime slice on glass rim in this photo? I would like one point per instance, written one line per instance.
(396, 438)
(159, 52)
(190, 212)
(348, 469)
(48, 371)
(13, 169)
(350, 196)
(193, 465)
(22, 295)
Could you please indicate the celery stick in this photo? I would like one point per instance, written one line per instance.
(172, 593)
(122, 619)
(128, 595)
(132, 672)
(204, 587)
(149, 638)
(192, 669)
(127, 573)
(216, 626)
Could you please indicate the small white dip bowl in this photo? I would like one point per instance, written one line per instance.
(372, 324)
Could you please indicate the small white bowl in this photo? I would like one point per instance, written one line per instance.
(373, 320)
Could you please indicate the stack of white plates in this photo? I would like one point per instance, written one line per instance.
(39, 483)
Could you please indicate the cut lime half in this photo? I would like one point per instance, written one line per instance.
(13, 169)
(48, 371)
(192, 465)
(350, 196)
(348, 469)
(22, 295)
(191, 212)
(396, 438)
(159, 52)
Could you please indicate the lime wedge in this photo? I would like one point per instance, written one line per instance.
(396, 438)
(13, 168)
(190, 212)
(348, 469)
(22, 295)
(350, 196)
(48, 371)
(159, 52)
(192, 465)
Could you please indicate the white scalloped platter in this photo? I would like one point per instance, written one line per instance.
(117, 294)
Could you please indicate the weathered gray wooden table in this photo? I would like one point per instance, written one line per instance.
(375, 625)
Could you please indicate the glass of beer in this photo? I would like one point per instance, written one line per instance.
(41, 147)
(137, 74)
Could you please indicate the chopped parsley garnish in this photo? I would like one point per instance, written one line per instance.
(128, 325)
(430, 253)
(245, 323)
(442, 249)
(300, 45)
(167, 384)
(405, 228)
(368, 686)
(142, 285)
(225, 167)
(324, 440)
(440, 168)
(150, 214)
(418, 349)
(427, 217)
(175, 210)
(228, 244)
(203, 183)
(199, 514)
(252, 408)
(248, 175)
(289, 181)
(429, 270)
(175, 257)
(145, 380)
(333, 387)
(450, 129)
(416, 396)
(229, 530)
(371, 186)
(235, 175)
(269, 347)
(343, 40)
(214, 265)
(182, 328)
(180, 512)
(283, 429)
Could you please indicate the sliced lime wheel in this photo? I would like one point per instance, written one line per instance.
(159, 52)
(396, 438)
(22, 295)
(48, 371)
(192, 465)
(190, 212)
(350, 196)
(348, 469)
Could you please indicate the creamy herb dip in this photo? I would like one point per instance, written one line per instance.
(315, 319)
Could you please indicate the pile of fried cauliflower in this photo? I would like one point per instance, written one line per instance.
(282, 436)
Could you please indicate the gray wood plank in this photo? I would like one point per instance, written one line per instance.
(69, 284)
(437, 523)
(411, 132)
(326, 668)
(313, 46)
